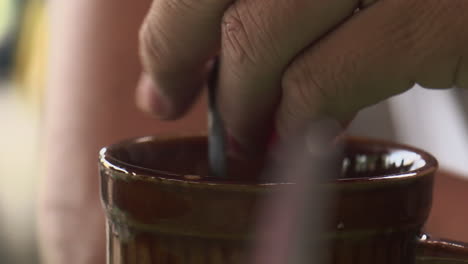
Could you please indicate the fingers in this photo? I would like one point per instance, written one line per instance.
(380, 52)
(177, 40)
(259, 39)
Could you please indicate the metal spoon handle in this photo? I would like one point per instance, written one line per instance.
(216, 136)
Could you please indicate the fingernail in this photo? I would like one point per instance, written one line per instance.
(150, 100)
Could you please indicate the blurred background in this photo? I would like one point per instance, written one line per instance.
(22, 56)
(23, 52)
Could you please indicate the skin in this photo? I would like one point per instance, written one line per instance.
(287, 63)
(299, 67)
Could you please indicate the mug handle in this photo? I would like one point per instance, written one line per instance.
(440, 251)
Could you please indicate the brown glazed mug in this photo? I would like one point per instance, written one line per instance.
(160, 210)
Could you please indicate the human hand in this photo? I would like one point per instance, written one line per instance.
(289, 62)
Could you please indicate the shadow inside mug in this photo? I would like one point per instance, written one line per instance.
(189, 158)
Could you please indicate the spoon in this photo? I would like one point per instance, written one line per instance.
(216, 136)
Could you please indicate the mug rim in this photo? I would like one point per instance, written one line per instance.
(108, 161)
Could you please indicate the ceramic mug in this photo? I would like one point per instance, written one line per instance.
(160, 210)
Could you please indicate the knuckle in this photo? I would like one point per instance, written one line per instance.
(314, 91)
(429, 31)
(401, 24)
(302, 89)
(303, 85)
(419, 22)
(238, 37)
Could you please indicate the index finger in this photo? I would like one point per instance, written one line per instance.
(177, 40)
